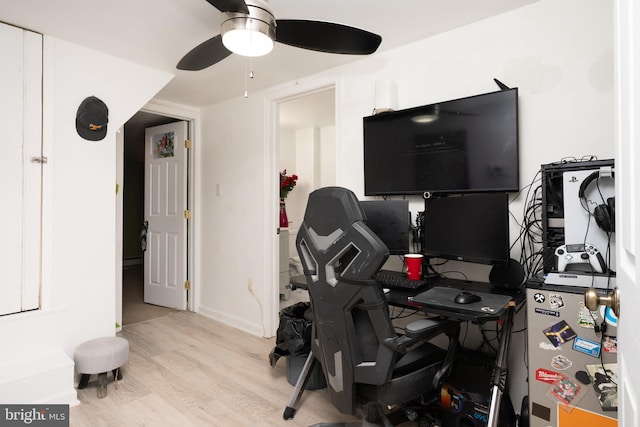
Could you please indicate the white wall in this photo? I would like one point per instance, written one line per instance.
(557, 52)
(234, 263)
(79, 201)
(312, 156)
(315, 164)
(307, 167)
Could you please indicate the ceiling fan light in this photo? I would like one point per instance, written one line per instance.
(247, 42)
(252, 34)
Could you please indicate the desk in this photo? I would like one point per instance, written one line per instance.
(499, 377)
(401, 298)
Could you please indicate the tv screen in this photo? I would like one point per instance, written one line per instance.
(389, 219)
(458, 146)
(472, 228)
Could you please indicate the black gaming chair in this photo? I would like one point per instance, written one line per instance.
(365, 362)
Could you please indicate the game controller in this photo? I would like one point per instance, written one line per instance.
(580, 254)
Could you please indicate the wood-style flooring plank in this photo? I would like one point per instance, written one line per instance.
(185, 369)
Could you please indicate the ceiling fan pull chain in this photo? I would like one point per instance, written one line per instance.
(249, 74)
(246, 84)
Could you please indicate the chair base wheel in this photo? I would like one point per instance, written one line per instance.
(289, 413)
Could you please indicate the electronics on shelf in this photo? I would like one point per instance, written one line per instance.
(578, 217)
(573, 194)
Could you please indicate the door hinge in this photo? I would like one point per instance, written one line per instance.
(42, 160)
(187, 144)
(187, 214)
(187, 284)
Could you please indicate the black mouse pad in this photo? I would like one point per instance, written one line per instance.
(439, 296)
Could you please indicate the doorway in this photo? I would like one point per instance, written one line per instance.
(131, 306)
(307, 148)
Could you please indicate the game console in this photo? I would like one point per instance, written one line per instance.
(580, 254)
(585, 203)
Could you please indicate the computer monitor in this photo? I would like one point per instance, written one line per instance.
(472, 228)
(390, 220)
(466, 145)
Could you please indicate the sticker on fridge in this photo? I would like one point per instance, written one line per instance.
(559, 333)
(585, 346)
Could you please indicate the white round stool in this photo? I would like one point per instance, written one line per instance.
(99, 356)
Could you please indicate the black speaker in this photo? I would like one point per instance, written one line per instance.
(509, 276)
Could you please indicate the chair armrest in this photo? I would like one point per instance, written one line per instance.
(421, 331)
(429, 328)
(425, 329)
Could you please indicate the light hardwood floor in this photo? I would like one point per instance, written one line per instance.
(187, 370)
(134, 309)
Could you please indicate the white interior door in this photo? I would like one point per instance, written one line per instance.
(165, 257)
(627, 67)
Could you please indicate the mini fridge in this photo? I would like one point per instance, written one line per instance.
(572, 359)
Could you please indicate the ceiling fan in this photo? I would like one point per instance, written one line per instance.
(250, 29)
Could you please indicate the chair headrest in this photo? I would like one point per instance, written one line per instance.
(332, 208)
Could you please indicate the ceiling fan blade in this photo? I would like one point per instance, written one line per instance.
(229, 5)
(204, 55)
(326, 37)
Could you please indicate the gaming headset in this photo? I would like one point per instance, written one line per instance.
(604, 214)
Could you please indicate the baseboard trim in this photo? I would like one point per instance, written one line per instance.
(232, 321)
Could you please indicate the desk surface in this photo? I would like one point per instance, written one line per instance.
(402, 298)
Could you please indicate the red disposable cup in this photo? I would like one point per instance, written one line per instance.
(414, 266)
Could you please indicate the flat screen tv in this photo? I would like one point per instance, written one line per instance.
(458, 146)
(389, 219)
(472, 228)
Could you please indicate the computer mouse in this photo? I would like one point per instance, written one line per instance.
(466, 297)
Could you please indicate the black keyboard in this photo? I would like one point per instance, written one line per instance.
(398, 280)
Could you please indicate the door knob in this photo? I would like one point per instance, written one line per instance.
(592, 300)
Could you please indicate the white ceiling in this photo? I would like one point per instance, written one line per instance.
(157, 33)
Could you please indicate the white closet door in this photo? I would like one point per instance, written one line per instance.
(20, 139)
